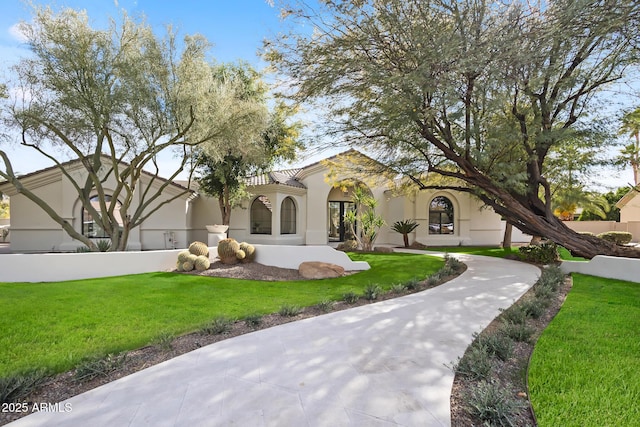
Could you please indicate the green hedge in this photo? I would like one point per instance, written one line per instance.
(619, 237)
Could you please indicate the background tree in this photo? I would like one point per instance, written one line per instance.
(113, 99)
(630, 153)
(267, 138)
(613, 213)
(422, 83)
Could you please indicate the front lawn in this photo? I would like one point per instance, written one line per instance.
(585, 366)
(54, 326)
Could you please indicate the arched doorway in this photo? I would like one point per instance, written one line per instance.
(339, 204)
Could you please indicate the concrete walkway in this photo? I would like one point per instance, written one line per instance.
(381, 364)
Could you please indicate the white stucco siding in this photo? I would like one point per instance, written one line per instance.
(317, 208)
(629, 212)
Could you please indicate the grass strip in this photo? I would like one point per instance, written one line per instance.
(57, 325)
(584, 369)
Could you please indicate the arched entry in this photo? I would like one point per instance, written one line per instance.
(339, 204)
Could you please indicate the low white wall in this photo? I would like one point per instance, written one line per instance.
(72, 266)
(291, 256)
(606, 266)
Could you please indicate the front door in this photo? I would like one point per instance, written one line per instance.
(338, 229)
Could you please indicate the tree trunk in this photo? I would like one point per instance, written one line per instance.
(506, 239)
(405, 238)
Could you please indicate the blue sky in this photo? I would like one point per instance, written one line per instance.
(235, 27)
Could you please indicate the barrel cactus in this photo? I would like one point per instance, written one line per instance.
(240, 254)
(182, 256)
(227, 250)
(187, 266)
(199, 248)
(179, 265)
(249, 251)
(202, 263)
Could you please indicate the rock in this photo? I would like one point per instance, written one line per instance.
(319, 270)
(383, 249)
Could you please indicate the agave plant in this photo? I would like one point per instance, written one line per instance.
(405, 227)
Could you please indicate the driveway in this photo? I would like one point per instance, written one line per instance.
(381, 364)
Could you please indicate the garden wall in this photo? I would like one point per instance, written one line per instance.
(606, 266)
(71, 266)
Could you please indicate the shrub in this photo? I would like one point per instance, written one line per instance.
(492, 404)
(617, 237)
(514, 314)
(412, 284)
(495, 344)
(289, 310)
(545, 253)
(398, 288)
(534, 307)
(101, 367)
(453, 264)
(433, 280)
(103, 245)
(219, 325)
(372, 291)
(475, 365)
(326, 305)
(253, 320)
(350, 297)
(517, 331)
(165, 340)
(16, 387)
(405, 227)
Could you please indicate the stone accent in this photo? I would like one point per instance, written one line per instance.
(320, 270)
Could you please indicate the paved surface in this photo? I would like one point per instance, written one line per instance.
(377, 365)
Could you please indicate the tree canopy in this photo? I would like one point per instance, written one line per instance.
(113, 99)
(479, 91)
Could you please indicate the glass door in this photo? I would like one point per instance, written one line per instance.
(339, 231)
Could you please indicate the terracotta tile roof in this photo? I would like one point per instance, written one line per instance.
(284, 177)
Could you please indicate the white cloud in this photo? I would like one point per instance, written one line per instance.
(16, 32)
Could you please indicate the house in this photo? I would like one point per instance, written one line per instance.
(629, 206)
(289, 207)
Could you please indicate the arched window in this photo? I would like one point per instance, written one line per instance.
(288, 216)
(441, 216)
(90, 227)
(261, 215)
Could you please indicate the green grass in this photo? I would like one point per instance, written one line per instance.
(565, 255)
(57, 325)
(585, 367)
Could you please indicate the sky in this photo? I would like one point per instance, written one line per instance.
(236, 28)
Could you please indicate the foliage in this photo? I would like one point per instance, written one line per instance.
(109, 101)
(164, 340)
(253, 320)
(544, 253)
(326, 305)
(101, 324)
(4, 207)
(350, 297)
(517, 331)
(372, 291)
(491, 403)
(613, 214)
(289, 310)
(268, 138)
(630, 154)
(479, 92)
(99, 367)
(219, 325)
(495, 344)
(584, 365)
(618, 237)
(366, 218)
(405, 227)
(14, 388)
(103, 245)
(476, 363)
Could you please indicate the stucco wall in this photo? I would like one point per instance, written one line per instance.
(606, 266)
(59, 267)
(631, 211)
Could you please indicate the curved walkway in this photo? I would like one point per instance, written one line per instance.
(381, 364)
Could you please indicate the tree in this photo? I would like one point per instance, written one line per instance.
(268, 138)
(366, 218)
(113, 99)
(421, 83)
(405, 227)
(630, 154)
(613, 213)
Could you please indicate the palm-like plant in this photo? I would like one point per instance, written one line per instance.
(630, 154)
(405, 227)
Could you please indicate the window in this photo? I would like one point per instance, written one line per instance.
(90, 227)
(288, 216)
(441, 216)
(261, 215)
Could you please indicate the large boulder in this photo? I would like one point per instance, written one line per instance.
(319, 270)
